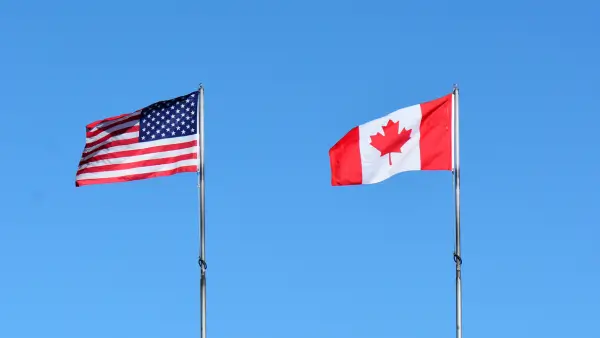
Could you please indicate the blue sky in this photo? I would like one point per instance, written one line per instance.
(289, 255)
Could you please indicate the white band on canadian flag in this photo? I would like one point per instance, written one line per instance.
(399, 130)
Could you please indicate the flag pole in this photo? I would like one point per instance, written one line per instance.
(201, 254)
(457, 255)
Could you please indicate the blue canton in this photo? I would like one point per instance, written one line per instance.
(170, 118)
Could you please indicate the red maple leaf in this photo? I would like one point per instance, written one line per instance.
(391, 141)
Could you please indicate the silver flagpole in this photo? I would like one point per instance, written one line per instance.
(201, 254)
(457, 256)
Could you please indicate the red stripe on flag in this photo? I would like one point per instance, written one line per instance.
(111, 135)
(138, 164)
(186, 169)
(109, 126)
(436, 134)
(143, 151)
(108, 119)
(344, 158)
(110, 145)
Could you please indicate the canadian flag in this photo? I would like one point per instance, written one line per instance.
(419, 137)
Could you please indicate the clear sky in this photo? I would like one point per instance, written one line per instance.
(289, 255)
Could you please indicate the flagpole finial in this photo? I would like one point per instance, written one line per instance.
(455, 87)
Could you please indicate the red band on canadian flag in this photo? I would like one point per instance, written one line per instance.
(418, 137)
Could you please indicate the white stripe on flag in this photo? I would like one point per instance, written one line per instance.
(111, 130)
(125, 136)
(140, 170)
(110, 123)
(143, 145)
(144, 157)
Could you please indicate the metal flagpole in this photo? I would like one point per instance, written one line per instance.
(201, 254)
(457, 256)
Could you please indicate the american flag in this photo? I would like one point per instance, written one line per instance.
(158, 140)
